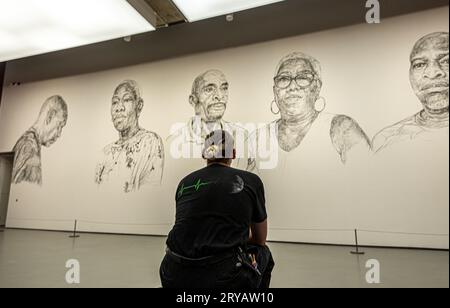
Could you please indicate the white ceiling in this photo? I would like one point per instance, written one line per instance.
(31, 27)
(195, 10)
(34, 27)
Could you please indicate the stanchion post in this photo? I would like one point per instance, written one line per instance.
(74, 235)
(357, 252)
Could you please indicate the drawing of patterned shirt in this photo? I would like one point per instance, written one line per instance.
(27, 159)
(135, 162)
(197, 134)
(189, 139)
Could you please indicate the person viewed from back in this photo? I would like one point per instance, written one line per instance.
(219, 237)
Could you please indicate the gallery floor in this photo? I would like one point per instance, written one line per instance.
(38, 259)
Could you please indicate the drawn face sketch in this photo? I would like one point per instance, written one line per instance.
(210, 96)
(54, 122)
(125, 108)
(296, 88)
(53, 129)
(429, 72)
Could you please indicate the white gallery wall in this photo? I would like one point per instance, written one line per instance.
(398, 198)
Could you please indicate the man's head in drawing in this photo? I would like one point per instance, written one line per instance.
(297, 85)
(126, 106)
(52, 119)
(429, 71)
(209, 95)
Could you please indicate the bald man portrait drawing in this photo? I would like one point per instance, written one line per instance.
(45, 131)
(137, 157)
(429, 80)
(209, 99)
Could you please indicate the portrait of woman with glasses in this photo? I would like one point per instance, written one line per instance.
(302, 123)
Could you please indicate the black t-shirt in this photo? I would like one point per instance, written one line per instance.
(215, 207)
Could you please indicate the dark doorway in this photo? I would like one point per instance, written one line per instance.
(6, 167)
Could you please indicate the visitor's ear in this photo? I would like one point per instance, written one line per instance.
(193, 100)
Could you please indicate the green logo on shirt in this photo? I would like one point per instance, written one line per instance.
(197, 187)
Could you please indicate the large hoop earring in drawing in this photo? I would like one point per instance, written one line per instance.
(272, 110)
(320, 104)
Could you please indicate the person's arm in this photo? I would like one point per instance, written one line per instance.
(258, 233)
(346, 134)
(258, 225)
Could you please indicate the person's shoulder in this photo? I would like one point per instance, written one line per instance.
(234, 127)
(404, 128)
(148, 137)
(28, 136)
(146, 134)
(345, 133)
(344, 125)
(108, 149)
(249, 176)
(193, 176)
(26, 141)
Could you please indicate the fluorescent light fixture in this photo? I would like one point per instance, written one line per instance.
(32, 27)
(195, 10)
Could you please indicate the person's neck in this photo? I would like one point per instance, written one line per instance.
(209, 126)
(433, 118)
(38, 132)
(298, 122)
(219, 163)
(204, 126)
(129, 133)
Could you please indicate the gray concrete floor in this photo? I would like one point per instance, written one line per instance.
(38, 259)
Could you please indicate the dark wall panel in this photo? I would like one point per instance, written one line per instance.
(2, 76)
